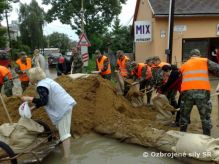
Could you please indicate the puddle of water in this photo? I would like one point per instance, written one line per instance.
(95, 149)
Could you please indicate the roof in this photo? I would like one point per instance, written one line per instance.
(186, 7)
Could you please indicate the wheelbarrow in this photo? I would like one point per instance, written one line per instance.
(36, 152)
(33, 153)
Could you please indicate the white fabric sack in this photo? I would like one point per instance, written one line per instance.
(198, 146)
(24, 110)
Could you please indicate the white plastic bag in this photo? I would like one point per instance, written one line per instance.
(24, 110)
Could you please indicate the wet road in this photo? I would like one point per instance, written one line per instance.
(95, 149)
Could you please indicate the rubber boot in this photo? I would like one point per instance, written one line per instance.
(207, 131)
(183, 128)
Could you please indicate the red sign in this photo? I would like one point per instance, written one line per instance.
(85, 57)
(83, 41)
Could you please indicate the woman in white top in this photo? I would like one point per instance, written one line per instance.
(57, 102)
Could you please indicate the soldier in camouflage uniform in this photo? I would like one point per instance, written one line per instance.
(6, 80)
(195, 90)
(76, 61)
(105, 69)
(157, 73)
(123, 65)
(149, 83)
(142, 74)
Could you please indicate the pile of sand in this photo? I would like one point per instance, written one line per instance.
(97, 104)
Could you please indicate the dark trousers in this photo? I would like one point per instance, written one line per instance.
(24, 85)
(108, 77)
(146, 84)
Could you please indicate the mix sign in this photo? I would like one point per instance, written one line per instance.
(143, 31)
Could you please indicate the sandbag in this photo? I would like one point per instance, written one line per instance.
(120, 81)
(78, 76)
(7, 128)
(161, 104)
(135, 96)
(198, 146)
(5, 131)
(20, 135)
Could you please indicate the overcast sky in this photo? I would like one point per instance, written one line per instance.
(56, 26)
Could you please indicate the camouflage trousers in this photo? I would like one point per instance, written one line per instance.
(8, 85)
(108, 76)
(24, 85)
(77, 70)
(200, 98)
(147, 84)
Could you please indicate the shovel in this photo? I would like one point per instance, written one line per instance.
(5, 108)
(95, 72)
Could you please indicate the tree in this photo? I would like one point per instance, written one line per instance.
(3, 38)
(120, 38)
(3, 31)
(31, 27)
(98, 15)
(59, 40)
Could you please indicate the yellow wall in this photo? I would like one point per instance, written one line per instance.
(197, 27)
(145, 48)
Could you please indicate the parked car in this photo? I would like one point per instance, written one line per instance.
(68, 55)
(5, 59)
(53, 58)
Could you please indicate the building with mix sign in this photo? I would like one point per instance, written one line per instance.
(196, 26)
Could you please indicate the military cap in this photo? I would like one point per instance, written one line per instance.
(195, 52)
(133, 63)
(97, 51)
(156, 58)
(22, 53)
(148, 59)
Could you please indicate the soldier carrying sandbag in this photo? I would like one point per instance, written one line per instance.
(142, 74)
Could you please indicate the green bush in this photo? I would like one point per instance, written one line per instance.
(91, 65)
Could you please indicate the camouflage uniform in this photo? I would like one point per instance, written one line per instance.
(8, 85)
(105, 67)
(157, 74)
(129, 69)
(200, 98)
(77, 63)
(146, 84)
(24, 84)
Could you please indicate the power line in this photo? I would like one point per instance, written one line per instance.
(129, 21)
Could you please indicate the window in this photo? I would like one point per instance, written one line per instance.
(189, 44)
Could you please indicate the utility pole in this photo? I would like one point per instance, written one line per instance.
(169, 49)
(8, 31)
(82, 16)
